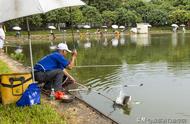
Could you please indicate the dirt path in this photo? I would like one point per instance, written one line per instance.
(75, 113)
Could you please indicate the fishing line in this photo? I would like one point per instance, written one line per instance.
(90, 89)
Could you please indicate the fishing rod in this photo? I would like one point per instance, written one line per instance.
(95, 66)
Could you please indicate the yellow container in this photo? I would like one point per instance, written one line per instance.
(13, 85)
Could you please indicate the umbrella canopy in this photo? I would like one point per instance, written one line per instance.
(87, 26)
(17, 28)
(149, 25)
(13, 9)
(52, 27)
(121, 27)
(182, 25)
(104, 26)
(114, 26)
(174, 25)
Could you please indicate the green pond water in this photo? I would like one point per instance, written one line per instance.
(160, 61)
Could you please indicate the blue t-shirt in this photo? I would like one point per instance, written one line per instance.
(51, 62)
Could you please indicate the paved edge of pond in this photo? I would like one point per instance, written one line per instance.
(76, 112)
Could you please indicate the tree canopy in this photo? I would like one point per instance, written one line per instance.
(121, 12)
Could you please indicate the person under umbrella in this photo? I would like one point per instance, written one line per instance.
(51, 69)
(2, 38)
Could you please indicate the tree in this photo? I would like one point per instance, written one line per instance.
(127, 17)
(109, 17)
(62, 16)
(179, 16)
(103, 5)
(92, 15)
(77, 16)
(35, 20)
(134, 4)
(180, 2)
(157, 17)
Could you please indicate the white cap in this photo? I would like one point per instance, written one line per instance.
(63, 46)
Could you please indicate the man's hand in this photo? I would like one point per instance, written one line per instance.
(73, 80)
(74, 53)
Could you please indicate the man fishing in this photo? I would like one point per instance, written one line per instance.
(52, 68)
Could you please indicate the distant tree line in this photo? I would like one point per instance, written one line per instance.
(107, 12)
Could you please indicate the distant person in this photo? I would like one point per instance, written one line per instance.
(51, 69)
(175, 29)
(184, 30)
(2, 38)
(52, 34)
(18, 34)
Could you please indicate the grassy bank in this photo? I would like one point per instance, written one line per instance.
(37, 114)
(4, 68)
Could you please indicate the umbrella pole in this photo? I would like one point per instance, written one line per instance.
(71, 18)
(30, 48)
(72, 27)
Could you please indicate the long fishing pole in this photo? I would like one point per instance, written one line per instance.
(95, 66)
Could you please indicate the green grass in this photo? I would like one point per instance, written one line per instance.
(37, 114)
(4, 68)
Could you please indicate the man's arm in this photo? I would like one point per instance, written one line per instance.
(72, 62)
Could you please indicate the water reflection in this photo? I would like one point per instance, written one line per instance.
(87, 44)
(52, 46)
(127, 109)
(133, 38)
(122, 39)
(183, 38)
(174, 39)
(141, 39)
(115, 41)
(105, 43)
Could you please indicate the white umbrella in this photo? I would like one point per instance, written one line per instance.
(149, 25)
(121, 27)
(104, 26)
(52, 27)
(114, 26)
(86, 26)
(174, 25)
(17, 28)
(182, 25)
(13, 9)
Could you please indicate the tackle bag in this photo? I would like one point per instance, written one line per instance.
(30, 97)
